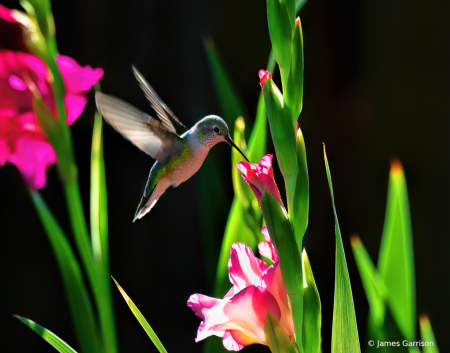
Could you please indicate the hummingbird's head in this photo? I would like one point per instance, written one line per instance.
(212, 130)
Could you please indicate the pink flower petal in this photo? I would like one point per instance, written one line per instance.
(265, 232)
(75, 104)
(265, 249)
(244, 167)
(235, 340)
(4, 151)
(263, 75)
(265, 165)
(77, 78)
(273, 282)
(33, 157)
(247, 311)
(211, 311)
(16, 83)
(243, 267)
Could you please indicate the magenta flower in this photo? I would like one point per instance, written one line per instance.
(21, 141)
(257, 288)
(260, 177)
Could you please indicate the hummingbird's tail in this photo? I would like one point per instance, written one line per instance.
(143, 210)
(151, 195)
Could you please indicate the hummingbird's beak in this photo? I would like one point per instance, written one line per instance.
(230, 141)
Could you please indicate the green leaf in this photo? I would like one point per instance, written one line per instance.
(344, 338)
(283, 136)
(99, 237)
(258, 137)
(290, 6)
(374, 287)
(299, 5)
(229, 101)
(80, 306)
(396, 258)
(47, 335)
(293, 94)
(241, 189)
(99, 209)
(276, 338)
(236, 231)
(145, 325)
(282, 236)
(300, 210)
(312, 312)
(280, 31)
(426, 332)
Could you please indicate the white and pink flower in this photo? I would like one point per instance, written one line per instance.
(257, 288)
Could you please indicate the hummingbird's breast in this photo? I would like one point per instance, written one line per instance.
(189, 161)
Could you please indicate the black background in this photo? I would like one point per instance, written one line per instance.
(377, 83)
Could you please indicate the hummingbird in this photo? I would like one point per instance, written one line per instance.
(179, 152)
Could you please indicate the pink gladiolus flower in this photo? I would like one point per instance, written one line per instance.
(263, 75)
(260, 177)
(257, 288)
(21, 141)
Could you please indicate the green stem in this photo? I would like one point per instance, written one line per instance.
(96, 274)
(297, 316)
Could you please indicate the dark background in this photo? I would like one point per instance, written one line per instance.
(377, 83)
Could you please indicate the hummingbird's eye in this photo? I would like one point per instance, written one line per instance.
(216, 130)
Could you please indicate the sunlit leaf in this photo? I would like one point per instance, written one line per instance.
(145, 325)
(47, 335)
(344, 338)
(236, 231)
(74, 285)
(299, 5)
(299, 213)
(276, 338)
(427, 335)
(229, 100)
(99, 237)
(374, 287)
(282, 236)
(312, 311)
(396, 258)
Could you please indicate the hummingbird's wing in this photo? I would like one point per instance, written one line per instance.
(164, 113)
(148, 134)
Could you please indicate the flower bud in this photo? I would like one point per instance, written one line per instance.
(294, 89)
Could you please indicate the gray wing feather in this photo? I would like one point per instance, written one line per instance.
(164, 113)
(146, 133)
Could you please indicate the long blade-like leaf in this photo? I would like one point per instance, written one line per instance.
(426, 332)
(276, 338)
(99, 237)
(344, 337)
(373, 284)
(99, 226)
(396, 258)
(230, 102)
(75, 287)
(312, 311)
(47, 335)
(145, 325)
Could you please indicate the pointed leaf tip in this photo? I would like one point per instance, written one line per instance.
(355, 240)
(396, 166)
